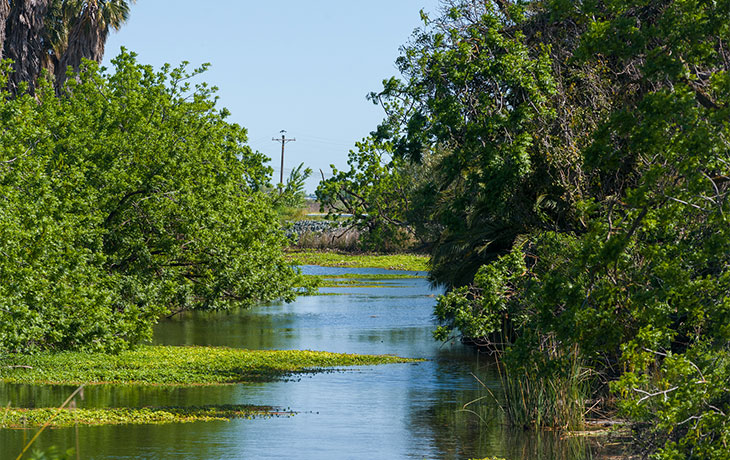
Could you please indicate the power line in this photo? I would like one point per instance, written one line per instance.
(283, 141)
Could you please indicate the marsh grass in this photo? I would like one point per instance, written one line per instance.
(175, 366)
(337, 238)
(542, 398)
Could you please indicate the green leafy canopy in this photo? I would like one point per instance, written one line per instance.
(126, 198)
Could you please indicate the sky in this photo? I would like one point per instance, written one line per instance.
(303, 67)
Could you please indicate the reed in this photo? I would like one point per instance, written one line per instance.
(539, 396)
(48, 422)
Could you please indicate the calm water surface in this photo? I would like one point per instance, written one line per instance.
(379, 412)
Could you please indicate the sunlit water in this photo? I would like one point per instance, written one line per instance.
(378, 412)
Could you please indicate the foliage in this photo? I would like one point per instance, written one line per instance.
(163, 365)
(410, 262)
(375, 196)
(290, 201)
(582, 190)
(472, 105)
(128, 198)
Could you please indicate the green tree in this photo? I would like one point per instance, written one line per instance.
(375, 194)
(583, 194)
(289, 201)
(480, 89)
(128, 198)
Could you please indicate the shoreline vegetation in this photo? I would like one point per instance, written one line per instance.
(176, 366)
(565, 163)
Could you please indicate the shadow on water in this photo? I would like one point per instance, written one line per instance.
(391, 411)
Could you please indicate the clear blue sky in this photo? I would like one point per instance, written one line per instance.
(305, 67)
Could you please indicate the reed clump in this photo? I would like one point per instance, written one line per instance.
(546, 394)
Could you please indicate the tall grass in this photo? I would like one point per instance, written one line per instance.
(539, 396)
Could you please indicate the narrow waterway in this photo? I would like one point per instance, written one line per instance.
(379, 412)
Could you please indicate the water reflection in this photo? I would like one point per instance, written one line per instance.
(393, 411)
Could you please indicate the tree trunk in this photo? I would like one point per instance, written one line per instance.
(23, 41)
(4, 13)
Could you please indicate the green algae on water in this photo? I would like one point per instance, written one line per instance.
(175, 366)
(409, 262)
(30, 418)
(355, 280)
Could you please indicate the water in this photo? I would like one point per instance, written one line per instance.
(377, 412)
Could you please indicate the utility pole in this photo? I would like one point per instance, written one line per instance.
(283, 141)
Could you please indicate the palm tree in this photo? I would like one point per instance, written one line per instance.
(88, 23)
(52, 35)
(22, 39)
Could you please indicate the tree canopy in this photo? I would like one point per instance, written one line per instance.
(578, 159)
(127, 198)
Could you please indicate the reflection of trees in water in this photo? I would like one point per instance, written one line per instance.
(483, 433)
(108, 441)
(124, 440)
(236, 329)
(33, 396)
(482, 430)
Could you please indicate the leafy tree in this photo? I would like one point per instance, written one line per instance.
(375, 194)
(87, 24)
(487, 86)
(583, 194)
(290, 200)
(128, 198)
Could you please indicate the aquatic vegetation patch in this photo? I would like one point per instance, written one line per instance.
(370, 276)
(410, 262)
(337, 283)
(30, 418)
(357, 280)
(167, 365)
